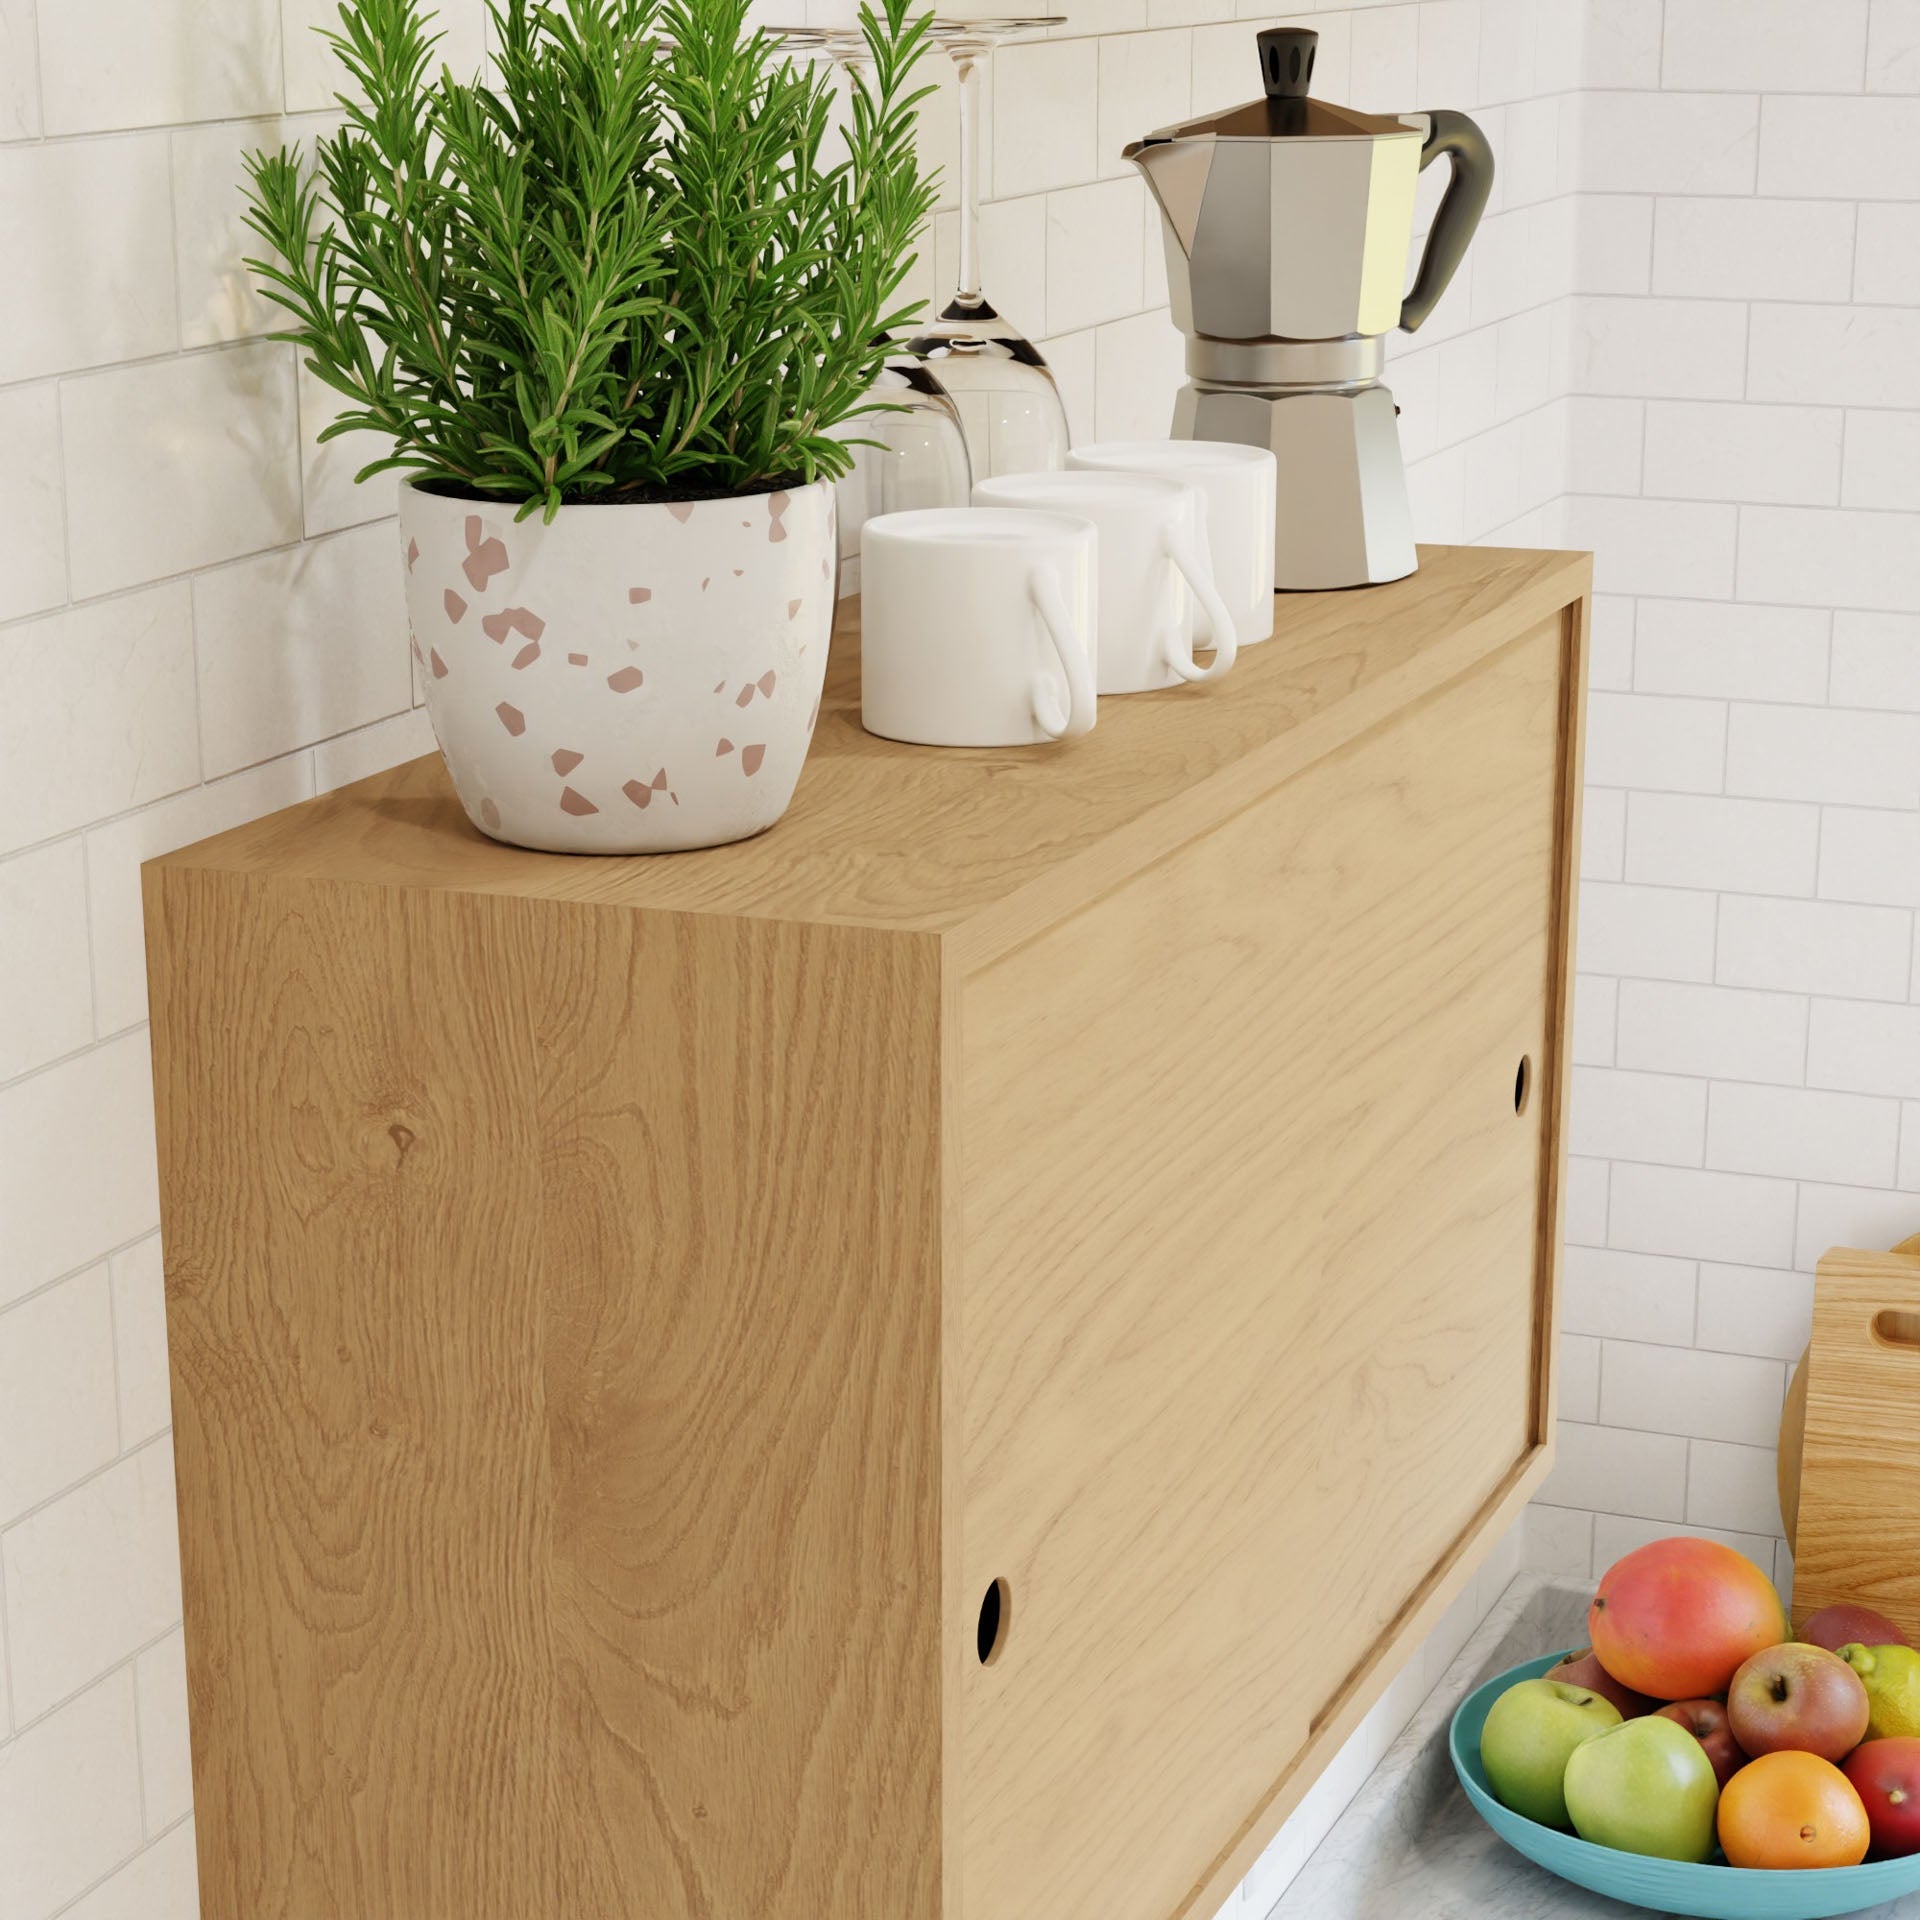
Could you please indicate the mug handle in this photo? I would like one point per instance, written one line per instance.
(1226, 643)
(1081, 711)
(1203, 542)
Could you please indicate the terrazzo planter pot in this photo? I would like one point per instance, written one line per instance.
(622, 678)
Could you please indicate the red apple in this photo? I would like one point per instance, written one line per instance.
(1795, 1698)
(1707, 1721)
(1845, 1625)
(1582, 1669)
(1886, 1776)
(1676, 1617)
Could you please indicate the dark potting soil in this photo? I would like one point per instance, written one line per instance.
(637, 497)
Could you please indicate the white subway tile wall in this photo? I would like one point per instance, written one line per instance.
(180, 650)
(1689, 335)
(1743, 367)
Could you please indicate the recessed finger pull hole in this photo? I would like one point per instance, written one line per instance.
(1522, 1083)
(996, 1611)
(1894, 1327)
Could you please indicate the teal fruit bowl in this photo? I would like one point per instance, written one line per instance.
(1667, 1886)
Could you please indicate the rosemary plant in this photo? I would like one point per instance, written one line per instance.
(626, 271)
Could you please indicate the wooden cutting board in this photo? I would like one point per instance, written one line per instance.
(1850, 1439)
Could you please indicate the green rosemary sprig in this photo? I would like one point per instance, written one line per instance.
(624, 270)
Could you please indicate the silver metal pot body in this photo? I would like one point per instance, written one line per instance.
(1286, 239)
(1341, 513)
(1287, 224)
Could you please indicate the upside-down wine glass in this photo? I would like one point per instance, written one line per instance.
(915, 446)
(1008, 399)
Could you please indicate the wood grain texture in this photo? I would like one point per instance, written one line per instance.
(1403, 1638)
(1858, 1536)
(1555, 1078)
(1251, 1302)
(1793, 1429)
(555, 1320)
(625, 1311)
(984, 845)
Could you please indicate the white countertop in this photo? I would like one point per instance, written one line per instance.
(1410, 1847)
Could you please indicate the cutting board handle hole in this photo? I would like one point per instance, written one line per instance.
(1897, 1327)
(1523, 1083)
(996, 1614)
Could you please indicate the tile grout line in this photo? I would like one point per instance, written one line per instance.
(127, 1663)
(120, 1866)
(6, 1655)
(87, 1479)
(40, 79)
(46, 1067)
(74, 1273)
(192, 573)
(93, 958)
(1731, 1080)
(139, 1748)
(113, 1342)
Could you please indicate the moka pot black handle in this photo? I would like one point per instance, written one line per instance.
(1461, 140)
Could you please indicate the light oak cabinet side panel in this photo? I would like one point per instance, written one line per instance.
(1252, 1286)
(554, 1304)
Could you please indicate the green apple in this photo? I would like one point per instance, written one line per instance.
(1530, 1731)
(1645, 1786)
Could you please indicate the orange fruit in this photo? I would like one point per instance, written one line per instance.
(1792, 1810)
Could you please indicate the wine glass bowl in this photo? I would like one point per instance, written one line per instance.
(916, 445)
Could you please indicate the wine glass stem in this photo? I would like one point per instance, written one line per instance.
(968, 292)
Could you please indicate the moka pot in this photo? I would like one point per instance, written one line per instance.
(1287, 225)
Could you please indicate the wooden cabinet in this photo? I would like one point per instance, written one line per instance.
(928, 1365)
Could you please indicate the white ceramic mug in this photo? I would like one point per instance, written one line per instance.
(1238, 484)
(977, 629)
(1151, 570)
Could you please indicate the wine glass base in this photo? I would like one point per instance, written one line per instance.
(970, 36)
(974, 328)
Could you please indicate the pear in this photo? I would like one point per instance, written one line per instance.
(1891, 1676)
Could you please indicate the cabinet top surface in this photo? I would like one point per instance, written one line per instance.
(922, 839)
